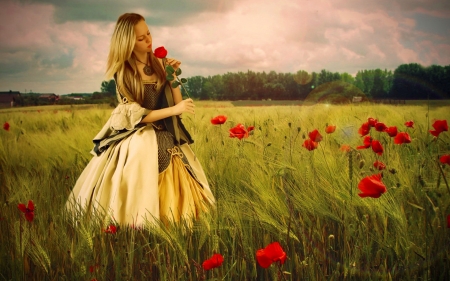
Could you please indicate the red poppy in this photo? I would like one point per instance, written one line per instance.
(28, 211)
(365, 129)
(315, 136)
(250, 128)
(239, 131)
(367, 143)
(448, 221)
(345, 148)
(402, 138)
(445, 159)
(219, 120)
(262, 259)
(379, 165)
(377, 148)
(371, 186)
(110, 229)
(272, 253)
(409, 124)
(93, 268)
(310, 145)
(160, 52)
(439, 127)
(6, 126)
(372, 121)
(380, 127)
(392, 131)
(215, 261)
(330, 129)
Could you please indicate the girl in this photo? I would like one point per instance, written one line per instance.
(143, 169)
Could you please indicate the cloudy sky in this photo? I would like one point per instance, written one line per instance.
(61, 46)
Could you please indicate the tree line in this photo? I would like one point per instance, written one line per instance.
(408, 82)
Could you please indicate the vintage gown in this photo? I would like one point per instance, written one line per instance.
(143, 173)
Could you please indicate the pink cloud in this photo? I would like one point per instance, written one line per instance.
(284, 35)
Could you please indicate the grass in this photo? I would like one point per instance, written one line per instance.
(268, 188)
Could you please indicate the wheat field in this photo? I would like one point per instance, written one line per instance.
(267, 186)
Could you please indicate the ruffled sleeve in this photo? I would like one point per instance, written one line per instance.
(127, 116)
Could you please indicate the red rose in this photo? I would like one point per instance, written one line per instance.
(330, 129)
(215, 261)
(160, 52)
(219, 120)
(371, 186)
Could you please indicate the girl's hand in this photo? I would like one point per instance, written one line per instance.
(183, 106)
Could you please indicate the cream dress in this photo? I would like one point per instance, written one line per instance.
(142, 176)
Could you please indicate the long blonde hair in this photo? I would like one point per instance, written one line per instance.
(122, 64)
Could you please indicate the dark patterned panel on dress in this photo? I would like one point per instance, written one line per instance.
(151, 97)
(165, 140)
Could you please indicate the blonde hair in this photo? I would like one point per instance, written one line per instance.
(122, 64)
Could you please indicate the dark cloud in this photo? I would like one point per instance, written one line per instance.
(158, 13)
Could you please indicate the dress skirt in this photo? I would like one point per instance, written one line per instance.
(123, 183)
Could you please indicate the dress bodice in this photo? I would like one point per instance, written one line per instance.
(151, 96)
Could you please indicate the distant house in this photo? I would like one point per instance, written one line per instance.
(78, 96)
(357, 99)
(9, 99)
(49, 97)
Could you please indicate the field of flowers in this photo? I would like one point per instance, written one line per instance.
(320, 192)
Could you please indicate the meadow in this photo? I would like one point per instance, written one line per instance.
(268, 187)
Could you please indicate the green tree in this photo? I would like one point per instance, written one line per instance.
(377, 91)
(109, 87)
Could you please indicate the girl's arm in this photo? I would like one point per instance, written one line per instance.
(181, 106)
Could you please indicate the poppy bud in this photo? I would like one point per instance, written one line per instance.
(392, 171)
(361, 163)
(299, 129)
(289, 124)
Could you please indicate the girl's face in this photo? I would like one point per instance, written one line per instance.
(143, 38)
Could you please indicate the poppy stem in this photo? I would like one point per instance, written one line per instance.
(280, 272)
(328, 166)
(443, 176)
